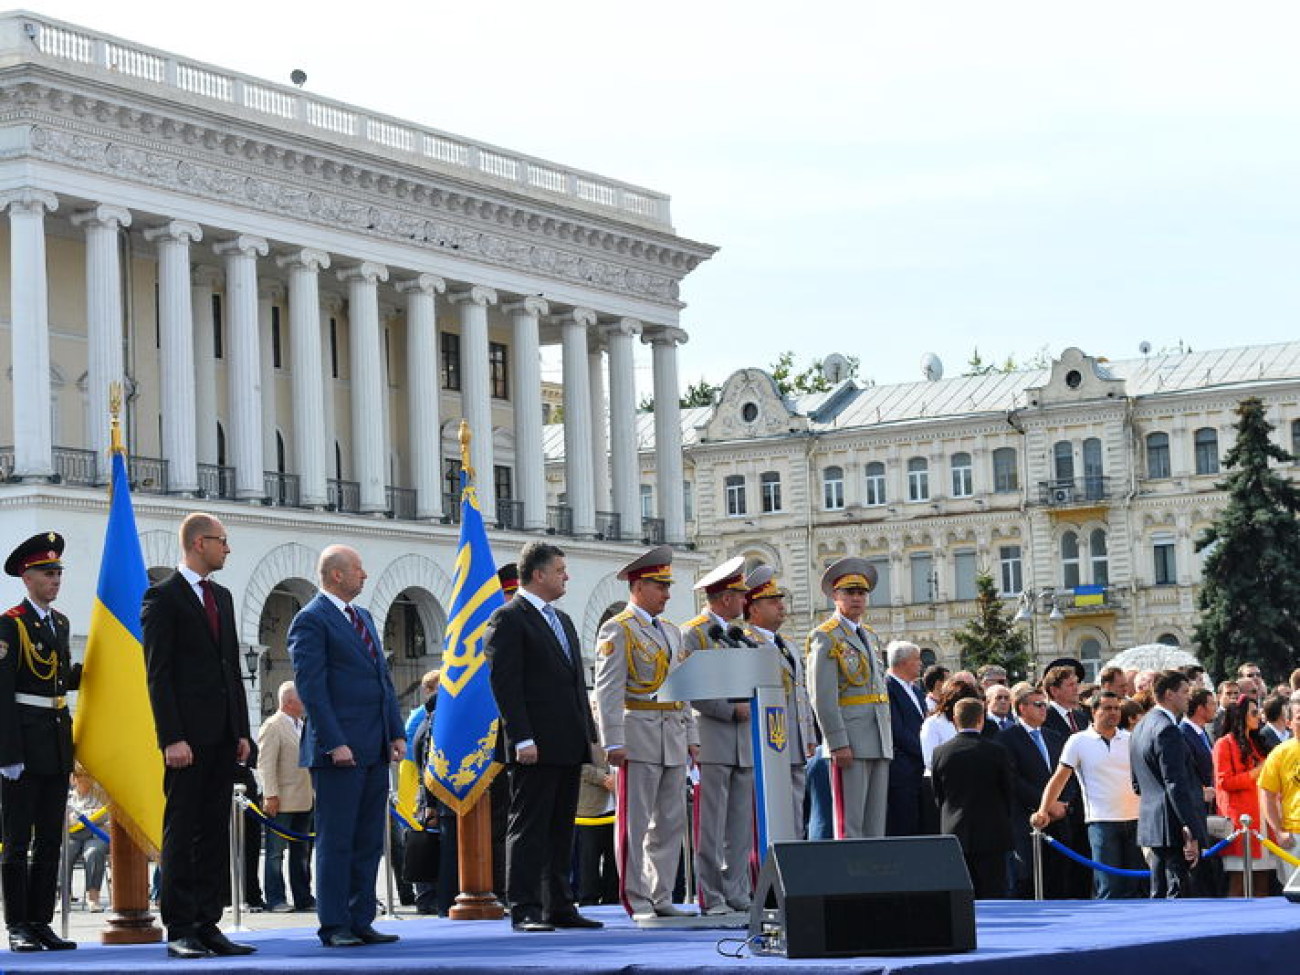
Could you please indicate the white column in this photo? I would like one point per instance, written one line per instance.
(204, 280)
(476, 389)
(423, 423)
(387, 324)
(526, 392)
(30, 338)
(243, 367)
(176, 350)
(269, 293)
(103, 322)
(331, 306)
(625, 473)
(599, 426)
(668, 431)
(368, 446)
(309, 443)
(578, 468)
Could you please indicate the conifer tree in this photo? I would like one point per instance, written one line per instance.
(991, 636)
(1250, 591)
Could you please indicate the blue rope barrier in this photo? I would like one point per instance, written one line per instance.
(1120, 871)
(276, 828)
(95, 830)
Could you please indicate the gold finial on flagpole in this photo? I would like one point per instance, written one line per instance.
(115, 419)
(464, 449)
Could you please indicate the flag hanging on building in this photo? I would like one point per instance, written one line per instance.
(113, 728)
(1089, 595)
(461, 761)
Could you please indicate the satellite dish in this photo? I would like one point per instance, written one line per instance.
(931, 367)
(298, 77)
(1144, 347)
(835, 368)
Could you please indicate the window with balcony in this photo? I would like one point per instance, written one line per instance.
(769, 487)
(499, 369)
(1063, 460)
(1094, 480)
(503, 480)
(1006, 477)
(1165, 562)
(833, 488)
(918, 479)
(1206, 442)
(883, 594)
(1099, 557)
(962, 476)
(963, 574)
(1069, 560)
(1010, 572)
(449, 347)
(875, 484)
(1158, 456)
(647, 501)
(735, 494)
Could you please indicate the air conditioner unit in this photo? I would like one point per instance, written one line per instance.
(1063, 495)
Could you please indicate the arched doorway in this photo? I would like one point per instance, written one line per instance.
(414, 628)
(278, 610)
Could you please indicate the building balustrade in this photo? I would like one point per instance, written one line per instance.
(401, 502)
(344, 496)
(609, 526)
(1064, 492)
(282, 489)
(216, 481)
(652, 531)
(559, 519)
(510, 515)
(148, 475)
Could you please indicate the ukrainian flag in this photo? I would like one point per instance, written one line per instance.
(1089, 595)
(113, 728)
(465, 722)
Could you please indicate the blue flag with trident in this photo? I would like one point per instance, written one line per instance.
(465, 722)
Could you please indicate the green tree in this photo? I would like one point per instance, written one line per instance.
(1250, 592)
(976, 366)
(791, 380)
(992, 636)
(702, 393)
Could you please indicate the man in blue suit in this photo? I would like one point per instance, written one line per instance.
(1171, 818)
(906, 712)
(353, 732)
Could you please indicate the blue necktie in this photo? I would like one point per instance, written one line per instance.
(1037, 735)
(557, 628)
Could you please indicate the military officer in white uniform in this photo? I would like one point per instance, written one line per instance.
(846, 678)
(765, 611)
(650, 741)
(725, 797)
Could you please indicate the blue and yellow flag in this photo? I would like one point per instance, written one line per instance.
(1089, 595)
(465, 722)
(113, 728)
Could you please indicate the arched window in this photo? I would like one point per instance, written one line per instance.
(1158, 455)
(1069, 560)
(1168, 639)
(1094, 480)
(875, 485)
(1005, 476)
(1090, 656)
(1206, 441)
(962, 479)
(833, 488)
(1100, 559)
(918, 479)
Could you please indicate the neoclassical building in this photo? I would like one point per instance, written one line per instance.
(302, 299)
(1081, 488)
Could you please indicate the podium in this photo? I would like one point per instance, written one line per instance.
(754, 673)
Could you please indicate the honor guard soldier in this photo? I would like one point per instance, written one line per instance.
(725, 797)
(651, 742)
(35, 743)
(851, 702)
(765, 611)
(508, 576)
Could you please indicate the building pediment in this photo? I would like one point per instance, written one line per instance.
(1076, 378)
(751, 406)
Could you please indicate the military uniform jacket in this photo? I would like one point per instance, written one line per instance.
(34, 659)
(798, 709)
(632, 659)
(846, 682)
(723, 739)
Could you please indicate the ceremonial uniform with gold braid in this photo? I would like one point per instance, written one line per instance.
(846, 680)
(633, 656)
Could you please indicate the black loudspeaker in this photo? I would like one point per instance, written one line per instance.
(904, 895)
(1292, 889)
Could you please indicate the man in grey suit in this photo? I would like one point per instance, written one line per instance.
(1171, 821)
(851, 702)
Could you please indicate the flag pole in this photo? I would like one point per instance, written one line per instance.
(129, 922)
(476, 900)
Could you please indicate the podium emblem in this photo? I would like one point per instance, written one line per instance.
(777, 732)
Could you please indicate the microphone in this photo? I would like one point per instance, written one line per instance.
(717, 635)
(738, 637)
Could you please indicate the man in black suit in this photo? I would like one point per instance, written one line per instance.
(1066, 718)
(974, 786)
(1035, 751)
(906, 712)
(537, 680)
(1208, 878)
(201, 716)
(1171, 818)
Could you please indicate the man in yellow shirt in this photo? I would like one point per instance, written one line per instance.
(1279, 783)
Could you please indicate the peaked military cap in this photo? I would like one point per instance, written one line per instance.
(850, 573)
(42, 551)
(729, 575)
(656, 565)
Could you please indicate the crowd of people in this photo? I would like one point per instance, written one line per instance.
(1140, 772)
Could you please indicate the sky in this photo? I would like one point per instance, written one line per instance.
(883, 179)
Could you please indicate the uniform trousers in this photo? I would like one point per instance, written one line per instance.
(651, 829)
(724, 835)
(33, 810)
(861, 797)
(798, 780)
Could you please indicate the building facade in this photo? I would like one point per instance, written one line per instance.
(302, 300)
(1080, 488)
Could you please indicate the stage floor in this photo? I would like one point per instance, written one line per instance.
(1015, 938)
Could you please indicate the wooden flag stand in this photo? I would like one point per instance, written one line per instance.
(130, 921)
(476, 901)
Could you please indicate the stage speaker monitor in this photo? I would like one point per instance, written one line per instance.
(904, 895)
(1292, 889)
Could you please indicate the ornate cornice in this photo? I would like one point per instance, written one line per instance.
(355, 194)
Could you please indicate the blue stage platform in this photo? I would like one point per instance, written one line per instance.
(1015, 938)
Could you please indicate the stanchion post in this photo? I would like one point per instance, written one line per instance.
(65, 877)
(237, 856)
(1036, 842)
(1247, 860)
(389, 867)
(688, 844)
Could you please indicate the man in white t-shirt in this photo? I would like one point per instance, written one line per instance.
(1099, 756)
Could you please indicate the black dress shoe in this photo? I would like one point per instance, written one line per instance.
(531, 922)
(370, 936)
(188, 948)
(575, 920)
(22, 939)
(341, 939)
(219, 944)
(48, 939)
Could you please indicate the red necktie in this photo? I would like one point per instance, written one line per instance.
(1074, 722)
(210, 609)
(363, 631)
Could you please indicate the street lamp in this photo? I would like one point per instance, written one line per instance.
(252, 657)
(1032, 602)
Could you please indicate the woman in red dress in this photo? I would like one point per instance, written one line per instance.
(1238, 755)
